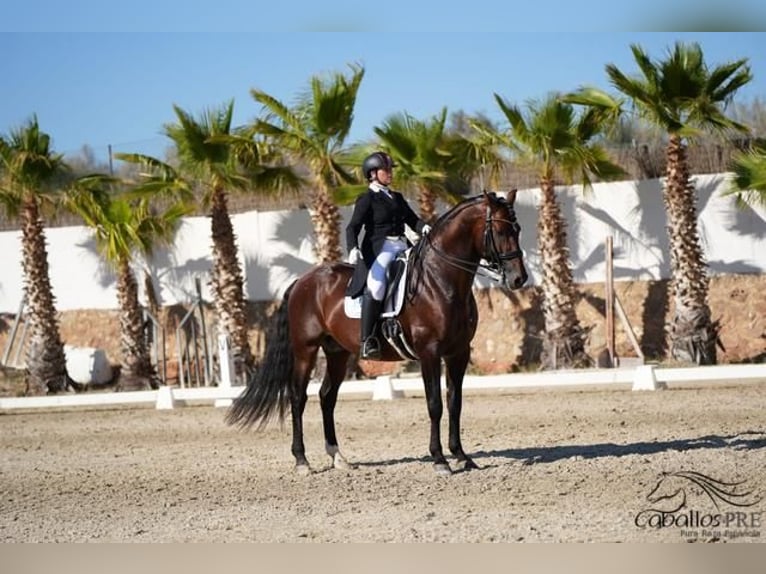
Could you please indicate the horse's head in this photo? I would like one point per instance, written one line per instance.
(669, 491)
(482, 227)
(500, 239)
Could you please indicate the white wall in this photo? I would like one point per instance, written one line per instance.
(275, 246)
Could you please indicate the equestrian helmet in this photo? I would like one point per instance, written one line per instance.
(375, 161)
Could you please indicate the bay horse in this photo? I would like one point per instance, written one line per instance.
(438, 320)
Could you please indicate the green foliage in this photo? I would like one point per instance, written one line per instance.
(211, 154)
(29, 168)
(347, 194)
(681, 93)
(427, 155)
(443, 157)
(123, 223)
(552, 136)
(313, 132)
(749, 182)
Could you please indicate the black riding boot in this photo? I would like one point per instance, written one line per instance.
(370, 314)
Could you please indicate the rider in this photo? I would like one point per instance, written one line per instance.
(382, 212)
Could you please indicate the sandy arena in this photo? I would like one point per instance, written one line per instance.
(556, 466)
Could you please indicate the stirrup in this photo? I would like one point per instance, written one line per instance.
(370, 348)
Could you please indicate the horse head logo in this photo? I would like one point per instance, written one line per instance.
(673, 490)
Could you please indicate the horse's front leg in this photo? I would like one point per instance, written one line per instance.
(430, 368)
(456, 366)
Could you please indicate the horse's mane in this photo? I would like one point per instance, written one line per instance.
(445, 217)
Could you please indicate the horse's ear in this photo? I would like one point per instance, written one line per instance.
(511, 197)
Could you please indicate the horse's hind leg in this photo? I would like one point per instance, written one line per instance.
(456, 366)
(304, 363)
(328, 397)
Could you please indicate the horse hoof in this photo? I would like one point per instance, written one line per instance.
(467, 464)
(302, 469)
(341, 463)
(442, 469)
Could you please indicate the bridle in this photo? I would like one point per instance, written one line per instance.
(495, 269)
(495, 257)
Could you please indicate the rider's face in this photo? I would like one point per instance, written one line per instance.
(383, 176)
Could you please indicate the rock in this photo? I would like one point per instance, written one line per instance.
(87, 365)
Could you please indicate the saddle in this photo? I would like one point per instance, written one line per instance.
(396, 282)
(393, 301)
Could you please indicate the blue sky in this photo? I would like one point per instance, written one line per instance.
(118, 88)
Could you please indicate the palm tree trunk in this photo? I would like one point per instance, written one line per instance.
(227, 282)
(692, 333)
(46, 361)
(325, 219)
(427, 201)
(151, 296)
(564, 340)
(137, 372)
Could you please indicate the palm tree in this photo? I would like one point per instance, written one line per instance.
(30, 173)
(686, 98)
(558, 143)
(428, 158)
(123, 228)
(312, 133)
(749, 181)
(214, 159)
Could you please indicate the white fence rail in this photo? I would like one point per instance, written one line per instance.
(644, 377)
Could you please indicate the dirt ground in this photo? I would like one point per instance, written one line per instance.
(574, 465)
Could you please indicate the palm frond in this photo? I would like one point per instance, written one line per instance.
(28, 165)
(333, 102)
(154, 167)
(347, 194)
(342, 174)
(276, 109)
(680, 92)
(749, 181)
(515, 118)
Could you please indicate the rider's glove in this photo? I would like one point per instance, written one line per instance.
(426, 230)
(354, 256)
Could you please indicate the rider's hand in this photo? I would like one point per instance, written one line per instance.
(354, 256)
(426, 230)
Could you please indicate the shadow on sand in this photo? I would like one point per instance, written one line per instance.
(748, 440)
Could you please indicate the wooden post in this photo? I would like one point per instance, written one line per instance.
(609, 297)
(628, 328)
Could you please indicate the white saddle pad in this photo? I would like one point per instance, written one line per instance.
(353, 307)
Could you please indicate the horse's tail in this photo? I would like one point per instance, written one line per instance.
(268, 390)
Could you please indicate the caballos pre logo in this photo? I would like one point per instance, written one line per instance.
(702, 507)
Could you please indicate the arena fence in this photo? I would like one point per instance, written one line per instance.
(642, 377)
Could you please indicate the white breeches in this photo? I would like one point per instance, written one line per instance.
(376, 280)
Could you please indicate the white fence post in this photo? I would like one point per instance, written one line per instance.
(225, 367)
(383, 390)
(644, 379)
(164, 398)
